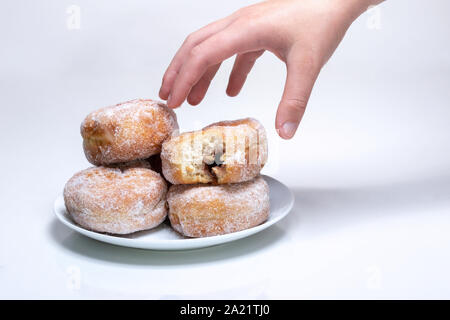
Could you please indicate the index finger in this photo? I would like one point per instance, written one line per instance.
(212, 51)
(191, 41)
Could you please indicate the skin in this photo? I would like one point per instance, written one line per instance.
(302, 33)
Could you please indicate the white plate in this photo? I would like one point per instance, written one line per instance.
(165, 238)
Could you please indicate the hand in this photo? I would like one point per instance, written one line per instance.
(302, 33)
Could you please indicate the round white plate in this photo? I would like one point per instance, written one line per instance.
(165, 238)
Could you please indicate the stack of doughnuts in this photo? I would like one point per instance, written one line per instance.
(122, 194)
(217, 188)
(137, 153)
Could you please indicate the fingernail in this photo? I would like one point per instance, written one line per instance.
(288, 129)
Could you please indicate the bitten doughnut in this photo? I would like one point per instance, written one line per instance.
(224, 152)
(205, 210)
(127, 131)
(120, 199)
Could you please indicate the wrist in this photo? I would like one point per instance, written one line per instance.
(358, 7)
(349, 10)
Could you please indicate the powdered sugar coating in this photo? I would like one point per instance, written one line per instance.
(127, 131)
(119, 200)
(205, 210)
(241, 146)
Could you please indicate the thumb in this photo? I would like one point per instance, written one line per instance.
(302, 72)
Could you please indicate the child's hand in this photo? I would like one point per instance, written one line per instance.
(302, 33)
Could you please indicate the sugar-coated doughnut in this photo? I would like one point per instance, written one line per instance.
(127, 131)
(204, 210)
(120, 199)
(224, 152)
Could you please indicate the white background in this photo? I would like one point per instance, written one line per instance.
(370, 165)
